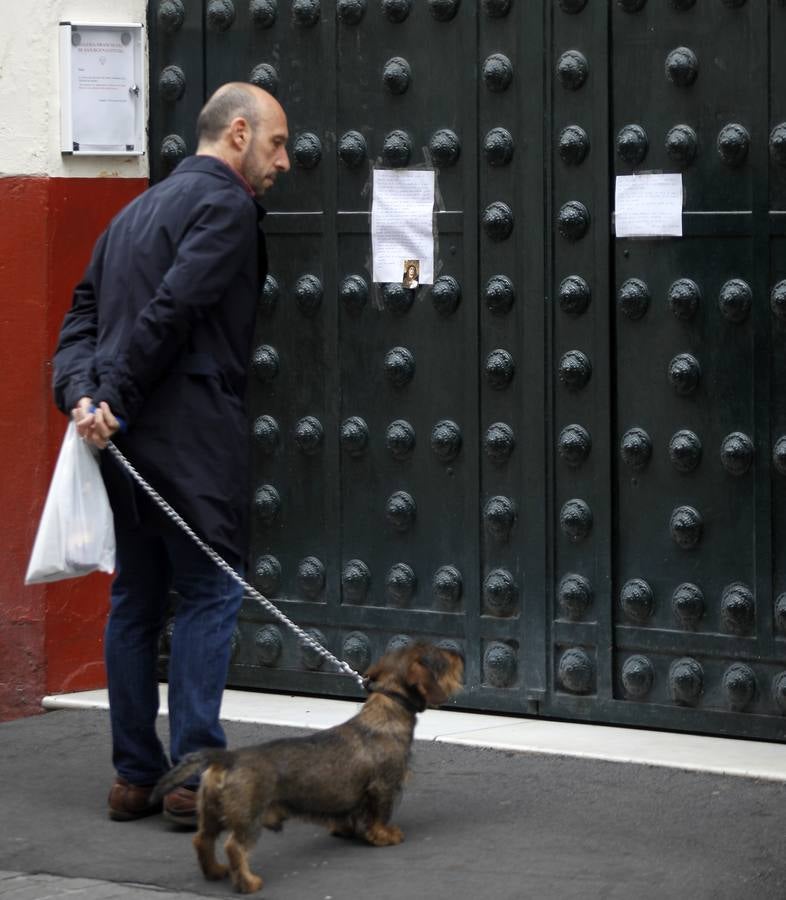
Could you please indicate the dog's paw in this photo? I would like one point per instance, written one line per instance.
(384, 835)
(216, 872)
(248, 884)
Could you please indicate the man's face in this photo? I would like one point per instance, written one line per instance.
(266, 157)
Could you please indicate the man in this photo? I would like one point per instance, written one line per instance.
(153, 354)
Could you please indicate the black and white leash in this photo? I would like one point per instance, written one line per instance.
(250, 591)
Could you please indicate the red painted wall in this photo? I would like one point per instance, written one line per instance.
(51, 636)
(24, 447)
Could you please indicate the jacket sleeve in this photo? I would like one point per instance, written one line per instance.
(214, 247)
(73, 365)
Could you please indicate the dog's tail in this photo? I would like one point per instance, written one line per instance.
(190, 765)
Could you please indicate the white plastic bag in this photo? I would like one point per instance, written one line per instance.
(76, 534)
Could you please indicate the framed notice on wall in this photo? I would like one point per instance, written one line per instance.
(102, 89)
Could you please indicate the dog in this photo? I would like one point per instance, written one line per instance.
(346, 778)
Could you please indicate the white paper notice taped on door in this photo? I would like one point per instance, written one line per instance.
(648, 205)
(402, 235)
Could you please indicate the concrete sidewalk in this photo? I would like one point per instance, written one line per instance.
(479, 823)
(725, 756)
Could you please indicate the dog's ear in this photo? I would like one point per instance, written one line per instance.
(372, 673)
(422, 679)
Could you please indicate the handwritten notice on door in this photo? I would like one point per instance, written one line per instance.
(648, 205)
(402, 226)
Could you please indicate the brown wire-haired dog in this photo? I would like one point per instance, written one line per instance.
(346, 778)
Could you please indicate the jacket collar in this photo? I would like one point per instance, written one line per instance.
(212, 165)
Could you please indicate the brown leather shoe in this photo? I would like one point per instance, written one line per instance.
(130, 801)
(180, 807)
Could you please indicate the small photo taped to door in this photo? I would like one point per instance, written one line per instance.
(411, 273)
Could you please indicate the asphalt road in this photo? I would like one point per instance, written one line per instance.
(478, 824)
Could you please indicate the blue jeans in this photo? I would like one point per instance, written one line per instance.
(149, 563)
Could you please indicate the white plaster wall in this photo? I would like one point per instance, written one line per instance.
(30, 88)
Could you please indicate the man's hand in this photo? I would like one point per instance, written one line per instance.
(96, 427)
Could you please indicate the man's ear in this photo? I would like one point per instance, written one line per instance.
(239, 132)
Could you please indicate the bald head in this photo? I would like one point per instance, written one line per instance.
(246, 127)
(234, 100)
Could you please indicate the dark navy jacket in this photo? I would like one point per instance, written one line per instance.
(161, 328)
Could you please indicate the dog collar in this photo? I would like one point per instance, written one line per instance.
(409, 704)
